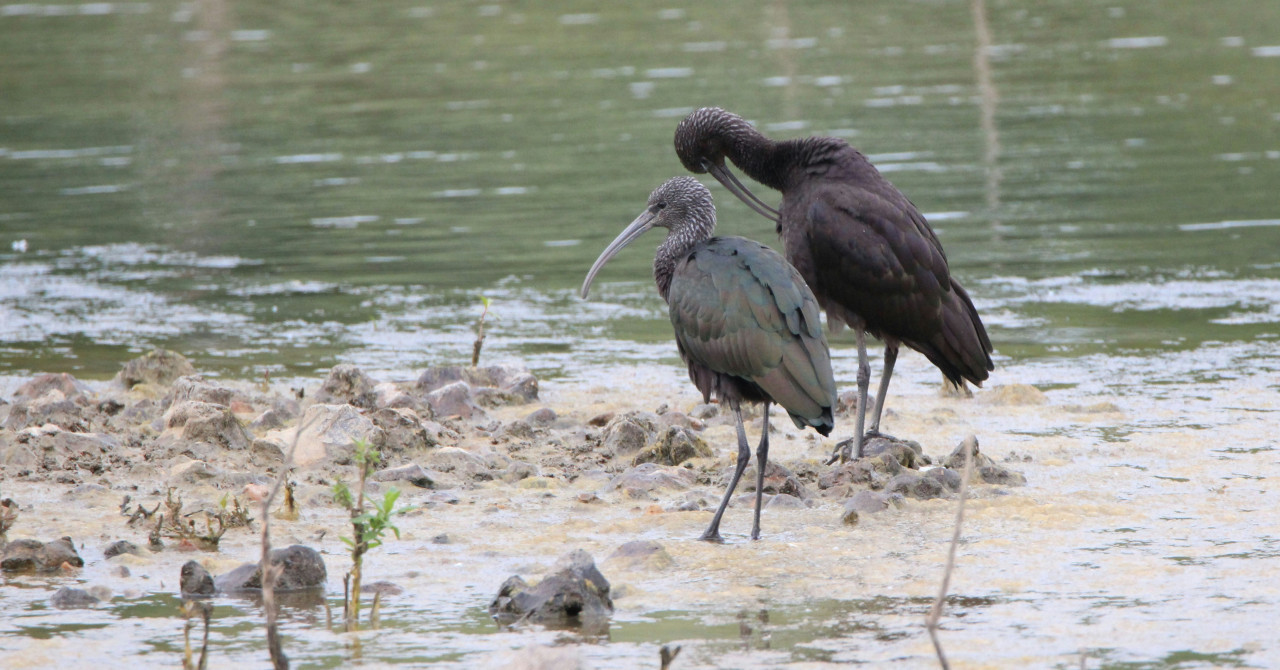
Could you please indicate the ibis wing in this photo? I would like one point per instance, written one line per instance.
(740, 309)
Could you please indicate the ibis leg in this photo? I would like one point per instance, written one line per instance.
(845, 448)
(890, 357)
(712, 534)
(762, 459)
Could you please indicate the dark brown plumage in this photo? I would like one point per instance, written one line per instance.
(870, 257)
(745, 323)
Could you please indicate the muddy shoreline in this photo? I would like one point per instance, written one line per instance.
(508, 476)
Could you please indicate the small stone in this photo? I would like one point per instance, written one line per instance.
(403, 429)
(785, 501)
(849, 516)
(705, 411)
(197, 388)
(34, 556)
(326, 434)
(67, 598)
(412, 473)
(913, 485)
(542, 417)
(646, 554)
(197, 421)
(629, 433)
(867, 502)
(160, 367)
(348, 384)
(600, 420)
(442, 538)
(454, 400)
(62, 382)
(996, 474)
(675, 446)
(575, 593)
(1014, 394)
(271, 419)
(649, 477)
(194, 580)
(121, 547)
(382, 588)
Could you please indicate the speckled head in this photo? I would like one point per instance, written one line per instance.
(703, 136)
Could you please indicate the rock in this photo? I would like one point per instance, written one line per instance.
(61, 382)
(194, 580)
(35, 556)
(1014, 394)
(453, 400)
(442, 538)
(649, 477)
(908, 453)
(268, 420)
(675, 446)
(193, 472)
(160, 367)
(514, 430)
(913, 485)
(705, 411)
(784, 501)
(50, 408)
(950, 479)
(403, 429)
(121, 547)
(303, 569)
(197, 421)
(412, 473)
(49, 447)
(868, 502)
(873, 472)
(382, 588)
(348, 384)
(391, 395)
(195, 387)
(849, 516)
(637, 554)
(629, 433)
(325, 434)
(542, 417)
(493, 386)
(574, 594)
(601, 420)
(461, 463)
(1000, 475)
(777, 480)
(67, 598)
(520, 470)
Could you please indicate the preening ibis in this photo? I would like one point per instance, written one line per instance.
(745, 322)
(863, 247)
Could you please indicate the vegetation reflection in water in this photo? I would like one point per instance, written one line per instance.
(258, 178)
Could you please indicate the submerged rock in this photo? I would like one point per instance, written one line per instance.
(574, 594)
(67, 598)
(194, 580)
(36, 556)
(160, 367)
(303, 568)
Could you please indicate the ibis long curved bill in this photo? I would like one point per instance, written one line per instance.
(635, 229)
(730, 181)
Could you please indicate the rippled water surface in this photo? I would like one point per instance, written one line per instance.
(273, 188)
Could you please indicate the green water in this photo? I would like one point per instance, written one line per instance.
(276, 187)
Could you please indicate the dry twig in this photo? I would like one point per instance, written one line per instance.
(935, 613)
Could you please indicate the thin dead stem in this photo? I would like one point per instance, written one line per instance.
(271, 572)
(935, 613)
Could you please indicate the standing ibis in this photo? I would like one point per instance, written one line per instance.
(745, 322)
(863, 247)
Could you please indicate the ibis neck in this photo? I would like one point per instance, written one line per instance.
(680, 241)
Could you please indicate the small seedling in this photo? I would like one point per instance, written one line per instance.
(368, 526)
(475, 348)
